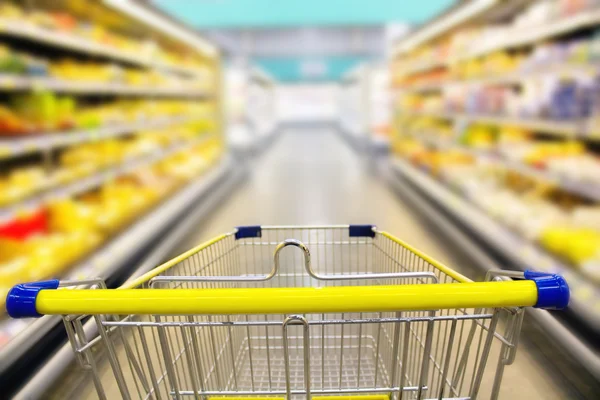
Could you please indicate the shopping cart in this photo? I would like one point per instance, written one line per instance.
(362, 315)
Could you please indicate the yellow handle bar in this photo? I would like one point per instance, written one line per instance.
(288, 300)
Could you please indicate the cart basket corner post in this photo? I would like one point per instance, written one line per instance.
(285, 312)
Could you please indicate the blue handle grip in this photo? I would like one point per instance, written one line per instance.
(361, 231)
(245, 232)
(20, 301)
(553, 290)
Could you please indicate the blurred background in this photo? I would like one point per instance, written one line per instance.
(133, 130)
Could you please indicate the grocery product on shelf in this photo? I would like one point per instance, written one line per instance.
(45, 243)
(528, 183)
(478, 136)
(408, 147)
(474, 51)
(109, 127)
(527, 207)
(540, 97)
(40, 21)
(75, 71)
(528, 79)
(44, 111)
(72, 72)
(12, 62)
(497, 124)
(20, 183)
(25, 226)
(494, 92)
(84, 160)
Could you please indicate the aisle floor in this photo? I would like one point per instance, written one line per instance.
(310, 176)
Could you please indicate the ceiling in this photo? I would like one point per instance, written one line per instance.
(300, 41)
(204, 14)
(293, 40)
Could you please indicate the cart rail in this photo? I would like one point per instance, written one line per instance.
(306, 300)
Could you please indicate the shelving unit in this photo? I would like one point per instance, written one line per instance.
(527, 35)
(428, 85)
(113, 258)
(557, 128)
(87, 183)
(21, 340)
(442, 206)
(20, 83)
(17, 146)
(584, 189)
(562, 129)
(63, 41)
(524, 254)
(509, 39)
(514, 78)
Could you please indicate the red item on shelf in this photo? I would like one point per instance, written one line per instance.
(539, 164)
(64, 21)
(23, 227)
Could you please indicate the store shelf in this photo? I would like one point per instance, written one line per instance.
(573, 129)
(587, 190)
(560, 128)
(16, 83)
(65, 41)
(517, 37)
(585, 301)
(20, 145)
(584, 189)
(433, 114)
(428, 87)
(527, 35)
(546, 54)
(419, 67)
(512, 78)
(23, 334)
(185, 67)
(93, 181)
(562, 334)
(206, 196)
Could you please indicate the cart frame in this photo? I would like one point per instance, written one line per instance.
(297, 312)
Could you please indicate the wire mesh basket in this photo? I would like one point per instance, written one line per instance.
(297, 312)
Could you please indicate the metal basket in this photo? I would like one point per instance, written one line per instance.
(299, 312)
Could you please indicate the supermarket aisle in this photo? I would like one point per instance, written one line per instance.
(310, 176)
(313, 177)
